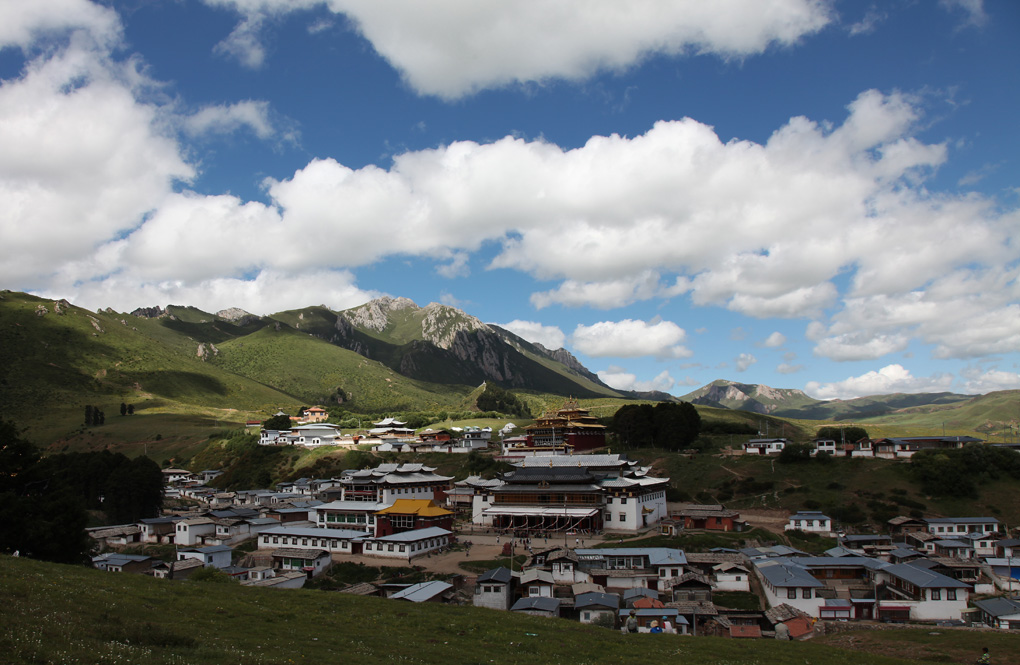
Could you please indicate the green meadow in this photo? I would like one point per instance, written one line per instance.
(76, 616)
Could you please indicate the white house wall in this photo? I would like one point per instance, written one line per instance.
(731, 583)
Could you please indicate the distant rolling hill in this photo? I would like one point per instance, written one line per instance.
(988, 414)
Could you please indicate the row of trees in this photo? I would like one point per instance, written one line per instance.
(669, 425)
(94, 416)
(44, 501)
(842, 434)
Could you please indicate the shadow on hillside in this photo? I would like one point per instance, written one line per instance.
(177, 384)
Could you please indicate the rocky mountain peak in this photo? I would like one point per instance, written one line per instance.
(149, 312)
(441, 324)
(374, 314)
(234, 314)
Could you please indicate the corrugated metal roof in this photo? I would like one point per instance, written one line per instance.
(419, 593)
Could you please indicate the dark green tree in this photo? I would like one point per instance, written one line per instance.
(634, 425)
(841, 434)
(133, 491)
(794, 453)
(277, 422)
(496, 399)
(131, 409)
(39, 517)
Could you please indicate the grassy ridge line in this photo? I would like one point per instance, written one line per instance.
(65, 614)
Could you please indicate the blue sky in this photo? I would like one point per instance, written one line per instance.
(802, 193)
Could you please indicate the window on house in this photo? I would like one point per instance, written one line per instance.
(623, 517)
(951, 594)
(805, 593)
(791, 593)
(738, 578)
(936, 594)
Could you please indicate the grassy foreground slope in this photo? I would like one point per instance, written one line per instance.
(64, 614)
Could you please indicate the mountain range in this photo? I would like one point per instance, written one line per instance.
(386, 355)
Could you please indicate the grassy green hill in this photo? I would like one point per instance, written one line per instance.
(54, 363)
(64, 614)
(300, 364)
(986, 416)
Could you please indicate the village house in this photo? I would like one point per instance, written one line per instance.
(119, 535)
(337, 541)
(786, 582)
(627, 567)
(266, 577)
(710, 517)
(216, 556)
(909, 592)
(494, 589)
(538, 606)
(810, 521)
(193, 530)
(645, 617)
(536, 582)
(593, 607)
(358, 515)
(177, 570)
(1003, 613)
(905, 447)
(730, 576)
(962, 525)
(827, 446)
(315, 414)
(159, 530)
(765, 446)
(407, 544)
(434, 591)
(174, 477)
(312, 562)
(690, 586)
(901, 525)
(115, 562)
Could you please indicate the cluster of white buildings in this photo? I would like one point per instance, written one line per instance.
(887, 448)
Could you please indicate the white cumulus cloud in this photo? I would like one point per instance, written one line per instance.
(743, 361)
(979, 382)
(621, 379)
(551, 337)
(775, 340)
(889, 379)
(452, 49)
(228, 118)
(631, 339)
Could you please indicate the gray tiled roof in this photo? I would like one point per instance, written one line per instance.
(998, 607)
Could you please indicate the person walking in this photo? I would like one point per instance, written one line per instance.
(632, 622)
